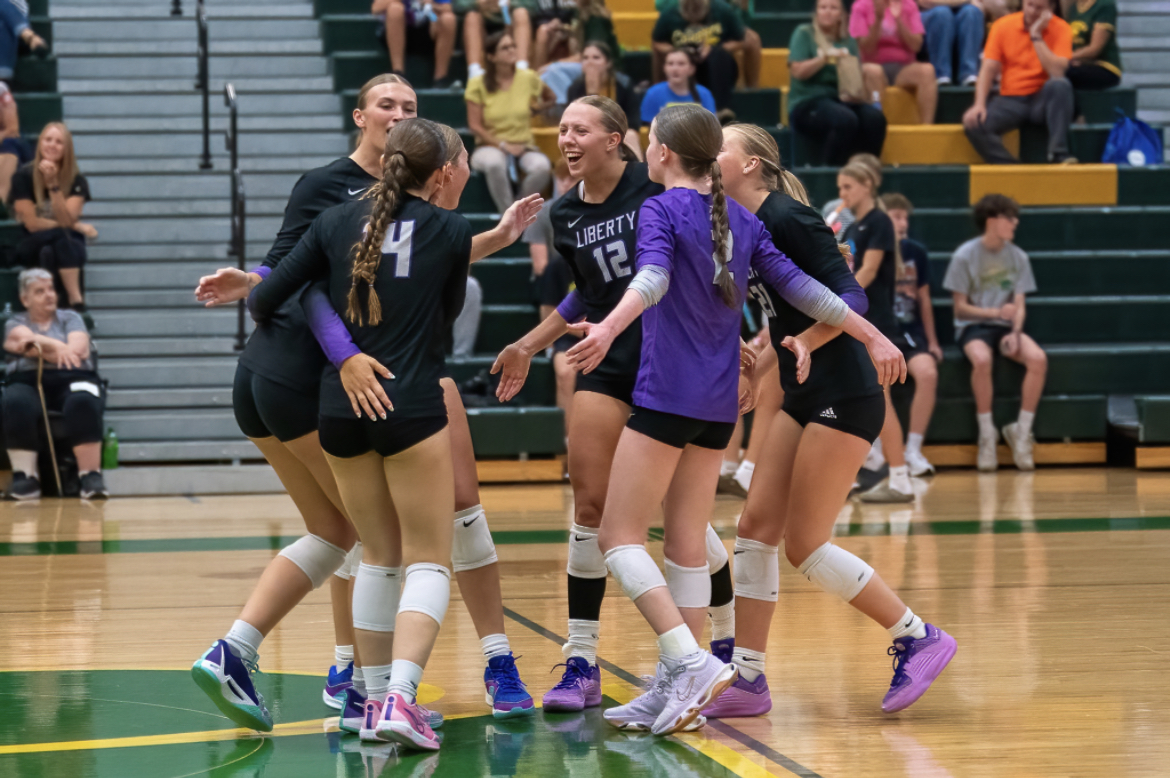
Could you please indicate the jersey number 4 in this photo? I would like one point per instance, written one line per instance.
(397, 243)
(612, 260)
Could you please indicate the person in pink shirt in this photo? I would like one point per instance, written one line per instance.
(890, 35)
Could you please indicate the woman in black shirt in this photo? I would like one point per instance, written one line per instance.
(598, 77)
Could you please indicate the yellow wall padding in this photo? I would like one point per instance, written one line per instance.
(1047, 184)
(935, 144)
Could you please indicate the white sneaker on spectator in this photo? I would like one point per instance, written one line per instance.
(944, 80)
(988, 460)
(971, 80)
(919, 465)
(1021, 446)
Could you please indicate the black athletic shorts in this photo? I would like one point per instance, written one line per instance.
(265, 408)
(347, 438)
(617, 388)
(912, 342)
(681, 431)
(862, 417)
(988, 333)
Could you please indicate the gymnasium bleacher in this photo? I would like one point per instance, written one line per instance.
(1096, 235)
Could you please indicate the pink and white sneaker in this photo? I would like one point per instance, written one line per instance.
(368, 731)
(406, 723)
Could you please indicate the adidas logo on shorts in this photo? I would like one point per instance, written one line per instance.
(827, 413)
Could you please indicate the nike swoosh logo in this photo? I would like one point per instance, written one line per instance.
(580, 539)
(737, 553)
(908, 623)
(356, 191)
(469, 523)
(574, 222)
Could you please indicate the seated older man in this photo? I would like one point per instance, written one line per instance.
(70, 384)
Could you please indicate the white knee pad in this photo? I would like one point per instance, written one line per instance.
(375, 597)
(837, 571)
(634, 570)
(349, 567)
(317, 558)
(716, 552)
(585, 557)
(472, 547)
(757, 570)
(690, 587)
(426, 589)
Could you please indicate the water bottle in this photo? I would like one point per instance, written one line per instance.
(504, 13)
(429, 13)
(7, 311)
(110, 450)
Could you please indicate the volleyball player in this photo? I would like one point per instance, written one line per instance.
(817, 442)
(395, 475)
(594, 227)
(381, 103)
(686, 398)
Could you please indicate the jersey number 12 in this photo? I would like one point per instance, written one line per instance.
(612, 260)
(397, 243)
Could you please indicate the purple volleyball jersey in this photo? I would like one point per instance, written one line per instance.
(690, 339)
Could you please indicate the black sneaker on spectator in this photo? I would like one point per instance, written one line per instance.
(24, 487)
(93, 486)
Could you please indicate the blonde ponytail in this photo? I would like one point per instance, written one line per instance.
(720, 230)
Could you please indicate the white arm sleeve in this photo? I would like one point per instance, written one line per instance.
(651, 284)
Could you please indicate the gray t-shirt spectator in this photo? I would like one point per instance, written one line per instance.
(64, 322)
(990, 279)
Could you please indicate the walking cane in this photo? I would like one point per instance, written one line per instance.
(45, 411)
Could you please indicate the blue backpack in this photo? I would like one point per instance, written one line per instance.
(1132, 142)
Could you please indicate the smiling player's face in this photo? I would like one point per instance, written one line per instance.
(582, 140)
(386, 105)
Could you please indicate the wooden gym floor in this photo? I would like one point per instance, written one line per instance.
(1056, 585)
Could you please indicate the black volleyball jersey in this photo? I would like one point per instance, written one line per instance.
(421, 283)
(876, 231)
(599, 241)
(841, 369)
(282, 348)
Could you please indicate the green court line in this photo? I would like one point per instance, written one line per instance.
(529, 537)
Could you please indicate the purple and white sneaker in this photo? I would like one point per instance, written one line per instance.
(579, 688)
(723, 650)
(917, 662)
(353, 712)
(336, 685)
(742, 698)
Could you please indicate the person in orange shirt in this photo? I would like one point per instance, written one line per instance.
(1029, 52)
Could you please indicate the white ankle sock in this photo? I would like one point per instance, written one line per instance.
(244, 639)
(900, 479)
(26, 461)
(743, 475)
(914, 442)
(474, 69)
(359, 681)
(986, 425)
(1024, 421)
(377, 681)
(678, 643)
(583, 636)
(405, 676)
(728, 468)
(750, 663)
(342, 656)
(722, 621)
(908, 626)
(495, 645)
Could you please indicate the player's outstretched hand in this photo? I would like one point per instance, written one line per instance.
(359, 378)
(513, 362)
(595, 342)
(803, 360)
(228, 285)
(520, 216)
(888, 359)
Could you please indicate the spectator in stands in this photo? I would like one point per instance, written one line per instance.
(14, 30)
(988, 277)
(953, 28)
(814, 108)
(1029, 52)
(70, 385)
(500, 104)
(919, 342)
(679, 87)
(1096, 58)
(484, 18)
(14, 152)
(553, 22)
(47, 196)
(405, 18)
(753, 48)
(715, 33)
(890, 35)
(598, 77)
(836, 214)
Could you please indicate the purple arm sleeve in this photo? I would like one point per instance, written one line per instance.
(571, 308)
(656, 236)
(801, 291)
(327, 326)
(261, 270)
(851, 292)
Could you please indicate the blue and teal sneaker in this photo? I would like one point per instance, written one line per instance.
(336, 686)
(227, 680)
(506, 693)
